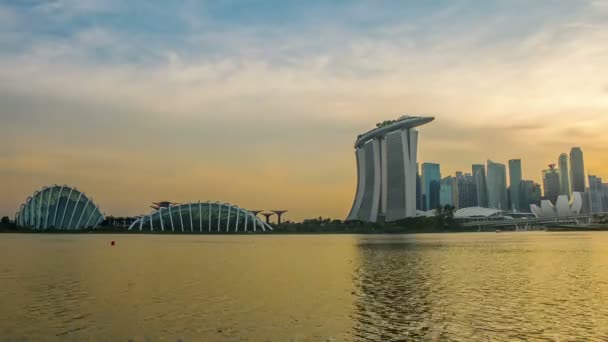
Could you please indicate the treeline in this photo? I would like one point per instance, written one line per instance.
(601, 219)
(443, 222)
(6, 225)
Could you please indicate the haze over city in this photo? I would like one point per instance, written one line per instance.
(137, 102)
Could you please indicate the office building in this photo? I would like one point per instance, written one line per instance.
(467, 190)
(445, 192)
(596, 193)
(431, 179)
(577, 171)
(532, 193)
(564, 175)
(551, 181)
(419, 205)
(605, 197)
(386, 171)
(497, 186)
(479, 176)
(515, 187)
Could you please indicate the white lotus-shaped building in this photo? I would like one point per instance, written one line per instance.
(562, 208)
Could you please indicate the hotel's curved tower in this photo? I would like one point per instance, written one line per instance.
(386, 171)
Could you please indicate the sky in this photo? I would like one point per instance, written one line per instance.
(258, 103)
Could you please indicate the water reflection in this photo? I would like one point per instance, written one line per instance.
(459, 287)
(390, 304)
(481, 287)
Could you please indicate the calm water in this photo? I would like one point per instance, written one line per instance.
(462, 287)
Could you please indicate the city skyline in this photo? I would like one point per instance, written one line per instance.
(189, 96)
(471, 189)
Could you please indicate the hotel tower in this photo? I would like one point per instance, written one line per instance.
(386, 171)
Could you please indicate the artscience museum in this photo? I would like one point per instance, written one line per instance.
(562, 207)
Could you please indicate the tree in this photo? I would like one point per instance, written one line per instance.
(439, 218)
(448, 213)
(6, 224)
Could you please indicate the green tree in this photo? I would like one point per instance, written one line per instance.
(439, 218)
(449, 221)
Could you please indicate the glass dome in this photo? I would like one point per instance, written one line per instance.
(199, 217)
(59, 207)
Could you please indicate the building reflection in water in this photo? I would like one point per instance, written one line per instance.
(480, 287)
(392, 291)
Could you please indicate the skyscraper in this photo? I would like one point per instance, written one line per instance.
(479, 176)
(564, 175)
(467, 191)
(551, 183)
(605, 196)
(577, 170)
(596, 192)
(386, 171)
(515, 184)
(532, 193)
(419, 205)
(497, 186)
(445, 193)
(431, 185)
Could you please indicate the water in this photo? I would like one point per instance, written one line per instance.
(461, 287)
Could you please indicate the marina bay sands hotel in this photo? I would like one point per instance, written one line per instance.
(386, 171)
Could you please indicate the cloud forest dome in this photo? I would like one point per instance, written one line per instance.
(59, 207)
(200, 217)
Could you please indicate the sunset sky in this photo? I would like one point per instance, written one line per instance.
(258, 103)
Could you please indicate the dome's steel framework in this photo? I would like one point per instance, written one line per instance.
(59, 207)
(199, 217)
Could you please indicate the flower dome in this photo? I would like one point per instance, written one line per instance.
(200, 217)
(59, 207)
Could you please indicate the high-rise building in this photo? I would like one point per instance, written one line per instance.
(537, 194)
(467, 191)
(479, 175)
(497, 186)
(596, 193)
(431, 185)
(586, 202)
(419, 205)
(515, 184)
(605, 196)
(455, 193)
(532, 193)
(445, 192)
(386, 171)
(551, 183)
(577, 170)
(564, 175)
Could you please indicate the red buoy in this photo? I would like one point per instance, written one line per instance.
(113, 243)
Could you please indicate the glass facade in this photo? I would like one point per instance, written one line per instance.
(200, 217)
(59, 207)
(497, 186)
(577, 170)
(551, 181)
(431, 182)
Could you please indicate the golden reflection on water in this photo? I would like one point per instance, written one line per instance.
(520, 286)
(463, 287)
